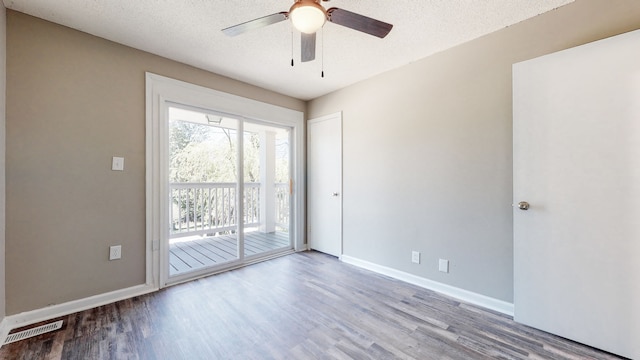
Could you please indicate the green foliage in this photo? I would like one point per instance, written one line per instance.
(251, 157)
(282, 161)
(201, 153)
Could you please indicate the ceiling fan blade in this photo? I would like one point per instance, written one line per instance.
(359, 22)
(255, 23)
(307, 47)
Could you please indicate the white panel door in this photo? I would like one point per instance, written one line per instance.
(577, 163)
(324, 183)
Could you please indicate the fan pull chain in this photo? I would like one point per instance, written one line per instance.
(291, 46)
(322, 53)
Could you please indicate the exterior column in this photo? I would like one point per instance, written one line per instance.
(267, 181)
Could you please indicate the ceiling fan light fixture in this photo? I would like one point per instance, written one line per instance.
(307, 16)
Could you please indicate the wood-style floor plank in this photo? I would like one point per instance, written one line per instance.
(301, 306)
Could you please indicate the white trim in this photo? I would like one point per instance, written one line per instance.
(161, 91)
(239, 200)
(54, 311)
(151, 191)
(3, 143)
(460, 294)
(4, 330)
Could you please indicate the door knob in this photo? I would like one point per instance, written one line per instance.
(523, 205)
(335, 194)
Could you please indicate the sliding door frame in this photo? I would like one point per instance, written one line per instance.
(160, 93)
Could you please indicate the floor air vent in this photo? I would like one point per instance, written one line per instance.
(33, 332)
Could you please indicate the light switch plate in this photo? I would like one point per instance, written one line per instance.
(117, 163)
(415, 257)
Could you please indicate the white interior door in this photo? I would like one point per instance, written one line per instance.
(577, 162)
(324, 182)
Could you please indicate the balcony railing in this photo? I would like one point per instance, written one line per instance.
(211, 208)
(282, 205)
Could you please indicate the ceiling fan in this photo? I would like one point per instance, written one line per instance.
(308, 16)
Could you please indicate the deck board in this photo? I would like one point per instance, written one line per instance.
(186, 261)
(196, 254)
(224, 246)
(204, 252)
(205, 249)
(218, 248)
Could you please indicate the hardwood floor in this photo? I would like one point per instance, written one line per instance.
(302, 306)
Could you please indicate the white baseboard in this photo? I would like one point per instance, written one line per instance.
(4, 331)
(54, 311)
(461, 294)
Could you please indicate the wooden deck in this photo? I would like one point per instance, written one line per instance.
(203, 252)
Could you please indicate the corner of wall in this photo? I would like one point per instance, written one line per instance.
(3, 77)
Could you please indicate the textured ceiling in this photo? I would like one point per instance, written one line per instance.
(189, 31)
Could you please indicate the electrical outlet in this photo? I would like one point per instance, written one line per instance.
(115, 252)
(443, 265)
(415, 257)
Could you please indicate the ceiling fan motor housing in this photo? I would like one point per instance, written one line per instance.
(308, 16)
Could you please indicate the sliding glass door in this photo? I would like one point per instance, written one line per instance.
(267, 189)
(229, 191)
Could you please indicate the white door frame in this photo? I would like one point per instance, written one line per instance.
(161, 90)
(335, 116)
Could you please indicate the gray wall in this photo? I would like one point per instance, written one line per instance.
(3, 78)
(73, 102)
(428, 154)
